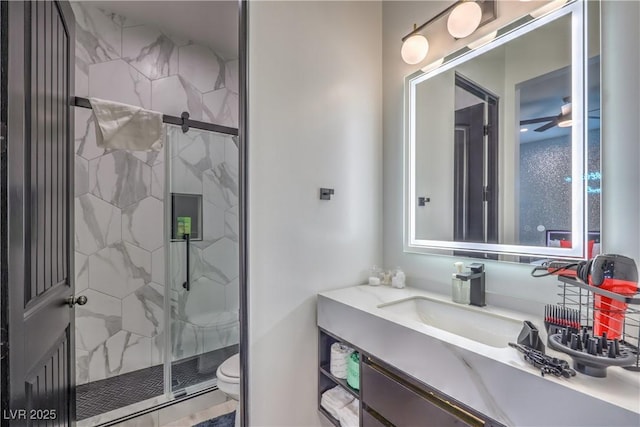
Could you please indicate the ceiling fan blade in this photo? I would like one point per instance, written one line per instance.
(594, 117)
(547, 126)
(538, 120)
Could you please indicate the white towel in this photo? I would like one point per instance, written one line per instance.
(349, 416)
(127, 127)
(335, 399)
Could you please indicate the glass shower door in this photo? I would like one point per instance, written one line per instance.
(202, 253)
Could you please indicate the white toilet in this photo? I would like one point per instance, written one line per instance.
(228, 375)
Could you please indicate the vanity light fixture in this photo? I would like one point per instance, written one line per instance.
(483, 40)
(548, 8)
(435, 64)
(415, 48)
(464, 17)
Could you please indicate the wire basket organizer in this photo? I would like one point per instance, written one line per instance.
(623, 311)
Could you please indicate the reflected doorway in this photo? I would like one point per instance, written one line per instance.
(475, 164)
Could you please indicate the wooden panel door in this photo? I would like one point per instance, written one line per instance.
(40, 145)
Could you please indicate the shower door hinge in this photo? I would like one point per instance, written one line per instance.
(486, 129)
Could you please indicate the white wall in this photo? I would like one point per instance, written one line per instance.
(314, 121)
(621, 127)
(621, 154)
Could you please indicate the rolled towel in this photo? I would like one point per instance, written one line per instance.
(339, 356)
(349, 416)
(333, 400)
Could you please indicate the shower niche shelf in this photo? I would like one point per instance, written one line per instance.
(186, 216)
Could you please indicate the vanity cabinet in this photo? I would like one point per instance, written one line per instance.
(390, 397)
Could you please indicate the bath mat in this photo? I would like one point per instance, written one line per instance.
(226, 420)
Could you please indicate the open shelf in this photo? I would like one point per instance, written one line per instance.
(324, 370)
(329, 417)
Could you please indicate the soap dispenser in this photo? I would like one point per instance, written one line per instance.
(459, 288)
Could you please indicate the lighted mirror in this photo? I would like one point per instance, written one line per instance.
(502, 145)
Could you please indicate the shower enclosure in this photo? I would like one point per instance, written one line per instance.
(202, 308)
(182, 323)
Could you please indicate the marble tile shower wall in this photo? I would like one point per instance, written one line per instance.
(120, 196)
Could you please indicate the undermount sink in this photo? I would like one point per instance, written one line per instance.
(474, 323)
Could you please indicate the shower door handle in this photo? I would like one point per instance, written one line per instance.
(187, 283)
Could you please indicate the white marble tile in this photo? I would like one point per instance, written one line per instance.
(232, 76)
(199, 267)
(150, 157)
(119, 178)
(200, 66)
(123, 352)
(82, 272)
(231, 225)
(157, 181)
(97, 320)
(143, 224)
(97, 224)
(206, 151)
(119, 269)
(203, 301)
(117, 19)
(143, 311)
(98, 37)
(213, 222)
(178, 140)
(157, 349)
(222, 259)
(173, 95)
(221, 107)
(219, 335)
(148, 50)
(179, 40)
(232, 295)
(81, 79)
(233, 101)
(185, 178)
(82, 366)
(118, 81)
(233, 210)
(231, 156)
(81, 180)
(184, 339)
(85, 134)
(158, 266)
(220, 186)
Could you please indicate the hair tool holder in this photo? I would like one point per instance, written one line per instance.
(607, 332)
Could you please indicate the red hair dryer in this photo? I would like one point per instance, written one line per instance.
(614, 273)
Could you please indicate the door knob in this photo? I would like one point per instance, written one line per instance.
(81, 300)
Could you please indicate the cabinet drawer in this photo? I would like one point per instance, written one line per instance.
(404, 405)
(369, 420)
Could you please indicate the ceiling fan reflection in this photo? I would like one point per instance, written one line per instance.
(564, 119)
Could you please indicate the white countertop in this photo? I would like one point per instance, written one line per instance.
(494, 381)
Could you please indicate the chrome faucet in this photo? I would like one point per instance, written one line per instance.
(476, 283)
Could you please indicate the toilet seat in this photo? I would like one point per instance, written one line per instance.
(229, 370)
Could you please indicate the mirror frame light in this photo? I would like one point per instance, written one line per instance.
(579, 58)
